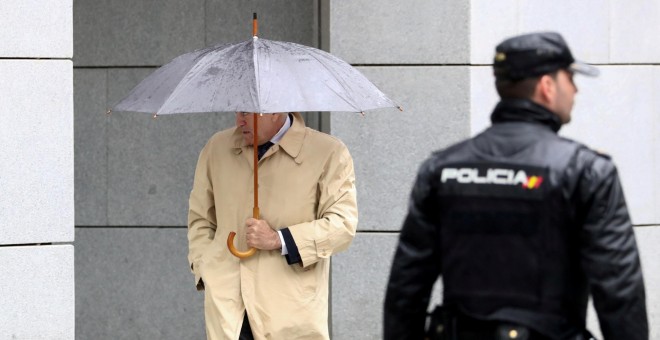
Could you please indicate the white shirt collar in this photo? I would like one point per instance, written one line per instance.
(285, 127)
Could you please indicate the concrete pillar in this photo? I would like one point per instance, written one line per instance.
(36, 170)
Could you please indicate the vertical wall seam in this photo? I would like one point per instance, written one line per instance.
(107, 149)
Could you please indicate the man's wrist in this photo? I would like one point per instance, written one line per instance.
(278, 240)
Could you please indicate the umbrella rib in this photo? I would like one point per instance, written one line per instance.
(159, 106)
(222, 77)
(255, 63)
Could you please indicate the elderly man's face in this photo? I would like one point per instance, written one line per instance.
(268, 126)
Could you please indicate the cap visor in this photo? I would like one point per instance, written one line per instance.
(582, 68)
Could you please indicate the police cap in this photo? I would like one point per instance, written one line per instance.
(535, 54)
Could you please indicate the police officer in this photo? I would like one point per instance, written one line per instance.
(522, 224)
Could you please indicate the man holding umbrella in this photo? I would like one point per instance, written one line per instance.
(308, 213)
(523, 225)
(278, 289)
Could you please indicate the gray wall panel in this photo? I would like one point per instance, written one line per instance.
(632, 27)
(90, 137)
(36, 151)
(40, 29)
(228, 21)
(388, 145)
(141, 33)
(400, 32)
(493, 21)
(135, 33)
(37, 292)
(359, 280)
(135, 284)
(151, 162)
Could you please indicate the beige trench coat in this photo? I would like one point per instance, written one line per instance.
(306, 183)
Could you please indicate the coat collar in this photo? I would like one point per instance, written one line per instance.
(293, 139)
(291, 142)
(524, 110)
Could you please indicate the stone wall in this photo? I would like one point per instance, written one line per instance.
(36, 170)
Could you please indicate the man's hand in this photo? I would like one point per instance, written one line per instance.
(261, 236)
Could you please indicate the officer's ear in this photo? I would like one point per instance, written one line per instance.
(545, 92)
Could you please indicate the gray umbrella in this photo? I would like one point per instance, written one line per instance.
(258, 76)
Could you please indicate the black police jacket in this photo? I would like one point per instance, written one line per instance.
(522, 225)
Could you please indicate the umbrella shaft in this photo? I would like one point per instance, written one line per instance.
(255, 143)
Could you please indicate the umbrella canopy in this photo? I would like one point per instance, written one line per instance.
(258, 75)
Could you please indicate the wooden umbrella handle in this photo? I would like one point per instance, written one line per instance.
(236, 252)
(230, 241)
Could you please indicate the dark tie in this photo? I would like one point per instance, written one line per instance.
(261, 150)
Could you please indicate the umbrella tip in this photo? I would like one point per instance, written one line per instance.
(400, 108)
(155, 115)
(109, 112)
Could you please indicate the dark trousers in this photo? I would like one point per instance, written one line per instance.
(246, 332)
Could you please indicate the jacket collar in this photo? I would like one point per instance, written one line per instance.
(524, 110)
(293, 139)
(291, 142)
